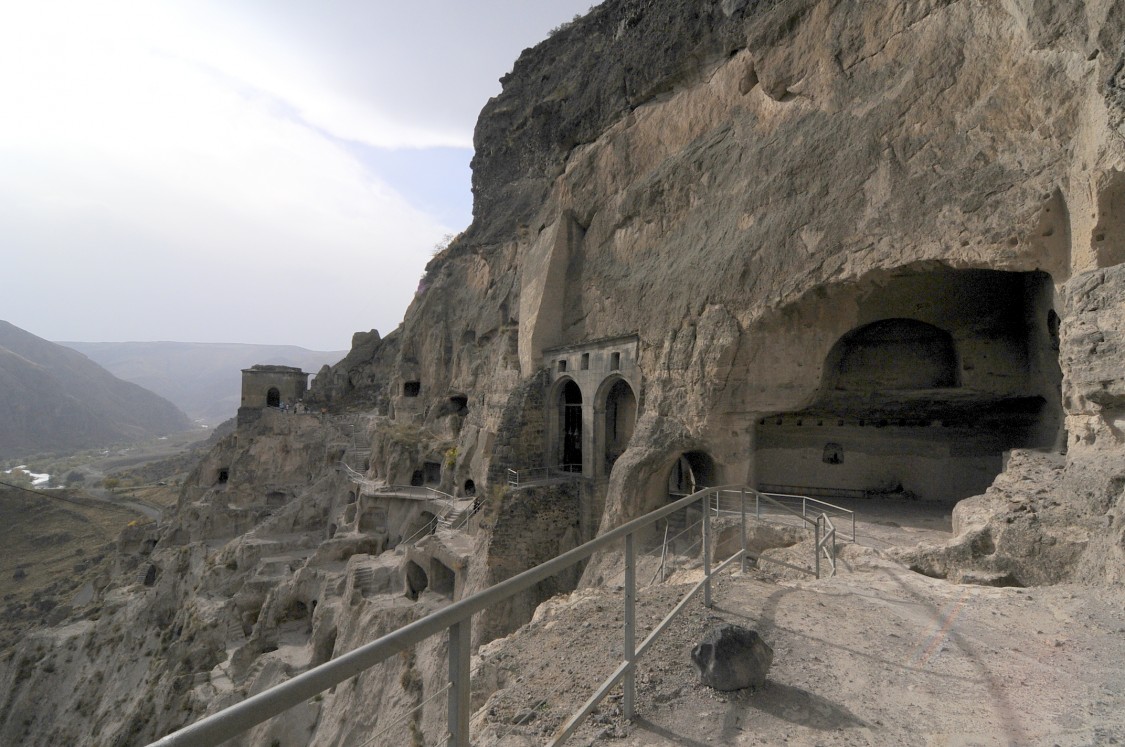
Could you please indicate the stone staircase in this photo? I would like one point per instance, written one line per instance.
(363, 579)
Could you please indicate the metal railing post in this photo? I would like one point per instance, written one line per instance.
(742, 510)
(707, 550)
(459, 683)
(629, 685)
(816, 546)
(757, 505)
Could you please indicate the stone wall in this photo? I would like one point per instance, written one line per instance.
(529, 526)
(520, 441)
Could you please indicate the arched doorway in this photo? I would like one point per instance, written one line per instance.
(273, 397)
(570, 427)
(620, 418)
(693, 471)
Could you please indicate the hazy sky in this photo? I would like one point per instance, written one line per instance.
(265, 171)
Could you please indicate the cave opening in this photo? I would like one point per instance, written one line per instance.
(948, 371)
(416, 580)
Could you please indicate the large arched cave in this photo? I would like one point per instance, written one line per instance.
(945, 371)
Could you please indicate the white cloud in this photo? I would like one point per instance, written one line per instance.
(146, 177)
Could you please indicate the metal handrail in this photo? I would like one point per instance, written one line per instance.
(516, 477)
(457, 618)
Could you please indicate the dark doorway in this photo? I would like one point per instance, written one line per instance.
(273, 397)
(570, 420)
(693, 471)
(620, 417)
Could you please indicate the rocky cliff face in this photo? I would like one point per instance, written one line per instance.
(859, 247)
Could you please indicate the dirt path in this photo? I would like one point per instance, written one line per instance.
(877, 655)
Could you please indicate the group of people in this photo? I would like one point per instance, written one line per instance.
(298, 407)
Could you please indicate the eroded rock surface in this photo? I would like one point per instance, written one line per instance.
(823, 248)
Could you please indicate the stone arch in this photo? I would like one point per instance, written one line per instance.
(692, 471)
(568, 402)
(273, 397)
(893, 354)
(617, 417)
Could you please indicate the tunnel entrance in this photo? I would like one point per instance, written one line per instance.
(922, 401)
(694, 470)
(273, 397)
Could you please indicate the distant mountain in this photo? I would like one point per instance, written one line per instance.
(203, 379)
(53, 398)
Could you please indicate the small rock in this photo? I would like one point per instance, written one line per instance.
(731, 657)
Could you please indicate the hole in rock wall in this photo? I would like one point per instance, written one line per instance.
(411, 388)
(692, 471)
(431, 473)
(570, 427)
(150, 576)
(273, 397)
(949, 369)
(470, 488)
(223, 475)
(275, 499)
(416, 580)
(417, 479)
(460, 404)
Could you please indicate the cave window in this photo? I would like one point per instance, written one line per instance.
(223, 475)
(562, 366)
(615, 361)
(273, 397)
(833, 454)
(417, 479)
(150, 576)
(411, 388)
(459, 403)
(585, 364)
(431, 473)
(470, 488)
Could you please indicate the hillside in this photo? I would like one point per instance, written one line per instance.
(53, 398)
(202, 379)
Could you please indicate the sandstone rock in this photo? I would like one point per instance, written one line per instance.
(732, 658)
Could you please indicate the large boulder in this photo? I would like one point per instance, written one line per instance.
(732, 658)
